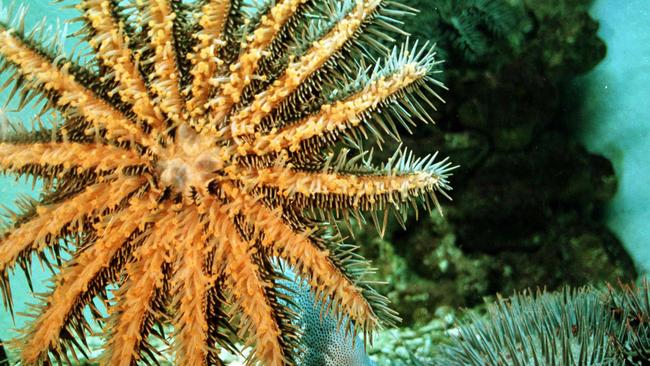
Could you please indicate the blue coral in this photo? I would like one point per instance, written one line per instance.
(324, 342)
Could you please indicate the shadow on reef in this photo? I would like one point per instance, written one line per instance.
(527, 196)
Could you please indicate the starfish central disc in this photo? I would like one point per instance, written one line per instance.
(190, 161)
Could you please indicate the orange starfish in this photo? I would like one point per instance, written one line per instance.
(190, 152)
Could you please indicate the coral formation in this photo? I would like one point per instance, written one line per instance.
(528, 199)
(194, 144)
(325, 343)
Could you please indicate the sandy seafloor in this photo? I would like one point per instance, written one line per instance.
(617, 101)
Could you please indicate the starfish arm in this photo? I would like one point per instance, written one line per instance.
(212, 211)
(340, 116)
(245, 121)
(244, 69)
(190, 287)
(91, 270)
(140, 296)
(165, 81)
(217, 321)
(110, 42)
(257, 316)
(370, 191)
(243, 280)
(204, 58)
(41, 73)
(98, 157)
(312, 262)
(52, 222)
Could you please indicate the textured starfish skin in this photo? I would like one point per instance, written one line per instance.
(198, 145)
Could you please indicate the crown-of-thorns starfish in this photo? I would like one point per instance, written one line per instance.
(190, 149)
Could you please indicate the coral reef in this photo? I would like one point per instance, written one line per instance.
(528, 197)
(195, 144)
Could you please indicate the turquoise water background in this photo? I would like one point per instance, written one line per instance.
(616, 101)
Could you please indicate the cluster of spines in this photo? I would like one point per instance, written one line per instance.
(344, 55)
(401, 109)
(124, 235)
(630, 306)
(390, 97)
(570, 327)
(396, 191)
(351, 266)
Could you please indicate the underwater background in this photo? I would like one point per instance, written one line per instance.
(613, 105)
(547, 116)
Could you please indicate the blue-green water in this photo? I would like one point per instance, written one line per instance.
(617, 102)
